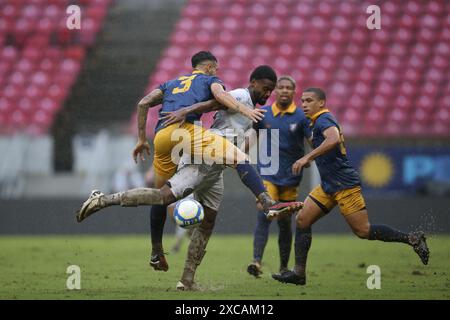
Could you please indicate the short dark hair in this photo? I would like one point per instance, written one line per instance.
(202, 56)
(264, 72)
(318, 92)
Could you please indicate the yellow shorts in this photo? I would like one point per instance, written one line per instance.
(349, 200)
(281, 193)
(202, 144)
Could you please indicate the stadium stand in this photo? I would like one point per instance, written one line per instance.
(40, 59)
(380, 83)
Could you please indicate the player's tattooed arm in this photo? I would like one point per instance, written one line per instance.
(332, 139)
(152, 99)
(230, 102)
(179, 115)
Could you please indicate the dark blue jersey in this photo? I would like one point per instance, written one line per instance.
(335, 170)
(186, 91)
(293, 128)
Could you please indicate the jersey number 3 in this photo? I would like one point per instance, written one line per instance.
(185, 84)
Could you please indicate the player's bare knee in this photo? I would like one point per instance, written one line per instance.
(362, 232)
(298, 219)
(167, 195)
(302, 221)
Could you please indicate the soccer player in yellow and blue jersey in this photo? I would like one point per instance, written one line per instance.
(292, 128)
(340, 185)
(201, 84)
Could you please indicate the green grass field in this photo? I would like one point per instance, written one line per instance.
(116, 267)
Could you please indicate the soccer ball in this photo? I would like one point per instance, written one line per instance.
(188, 213)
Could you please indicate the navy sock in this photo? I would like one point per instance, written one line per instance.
(303, 239)
(284, 240)
(385, 233)
(250, 178)
(260, 237)
(157, 220)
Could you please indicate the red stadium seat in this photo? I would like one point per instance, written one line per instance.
(407, 89)
(48, 105)
(281, 10)
(26, 104)
(393, 128)
(9, 54)
(442, 116)
(421, 116)
(41, 121)
(414, 7)
(351, 116)
(18, 119)
(398, 116)
(34, 92)
(11, 92)
(403, 102)
(6, 105)
(18, 78)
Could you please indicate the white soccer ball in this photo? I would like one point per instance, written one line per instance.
(188, 213)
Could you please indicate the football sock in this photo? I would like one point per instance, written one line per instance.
(250, 178)
(134, 197)
(112, 199)
(196, 252)
(157, 221)
(385, 233)
(260, 236)
(284, 240)
(197, 246)
(303, 238)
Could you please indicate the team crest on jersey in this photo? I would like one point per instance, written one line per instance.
(292, 127)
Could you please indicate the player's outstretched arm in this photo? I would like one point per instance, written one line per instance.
(227, 100)
(152, 99)
(179, 115)
(332, 139)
